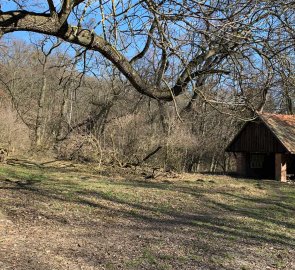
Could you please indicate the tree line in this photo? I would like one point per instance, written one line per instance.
(52, 102)
(127, 82)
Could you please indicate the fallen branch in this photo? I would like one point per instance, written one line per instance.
(149, 155)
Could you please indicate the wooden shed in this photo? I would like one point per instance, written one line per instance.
(265, 148)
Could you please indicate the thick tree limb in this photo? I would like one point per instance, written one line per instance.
(147, 45)
(57, 26)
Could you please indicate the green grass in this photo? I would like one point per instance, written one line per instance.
(177, 224)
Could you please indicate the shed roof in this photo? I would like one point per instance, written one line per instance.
(283, 127)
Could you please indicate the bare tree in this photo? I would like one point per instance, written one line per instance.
(33, 76)
(43, 55)
(185, 42)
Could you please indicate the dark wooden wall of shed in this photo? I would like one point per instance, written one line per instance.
(291, 165)
(268, 168)
(255, 137)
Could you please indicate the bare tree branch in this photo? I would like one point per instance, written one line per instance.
(147, 44)
(51, 7)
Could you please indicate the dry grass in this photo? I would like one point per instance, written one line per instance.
(64, 216)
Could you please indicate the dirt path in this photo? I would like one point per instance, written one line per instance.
(8, 235)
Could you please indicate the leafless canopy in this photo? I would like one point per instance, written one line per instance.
(181, 43)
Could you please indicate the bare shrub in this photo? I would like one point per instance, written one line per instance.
(80, 147)
(3, 155)
(14, 135)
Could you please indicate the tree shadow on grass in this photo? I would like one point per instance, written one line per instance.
(277, 201)
(168, 218)
(217, 223)
(155, 217)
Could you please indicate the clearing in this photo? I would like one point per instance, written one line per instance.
(71, 216)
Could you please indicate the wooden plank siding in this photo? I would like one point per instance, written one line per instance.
(256, 137)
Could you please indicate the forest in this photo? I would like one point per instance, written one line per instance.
(49, 106)
(134, 83)
(54, 104)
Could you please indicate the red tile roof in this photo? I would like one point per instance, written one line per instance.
(283, 127)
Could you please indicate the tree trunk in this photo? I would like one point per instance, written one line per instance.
(212, 163)
(198, 166)
(62, 115)
(40, 113)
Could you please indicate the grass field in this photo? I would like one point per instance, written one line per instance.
(64, 216)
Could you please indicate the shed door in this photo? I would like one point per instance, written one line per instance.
(262, 165)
